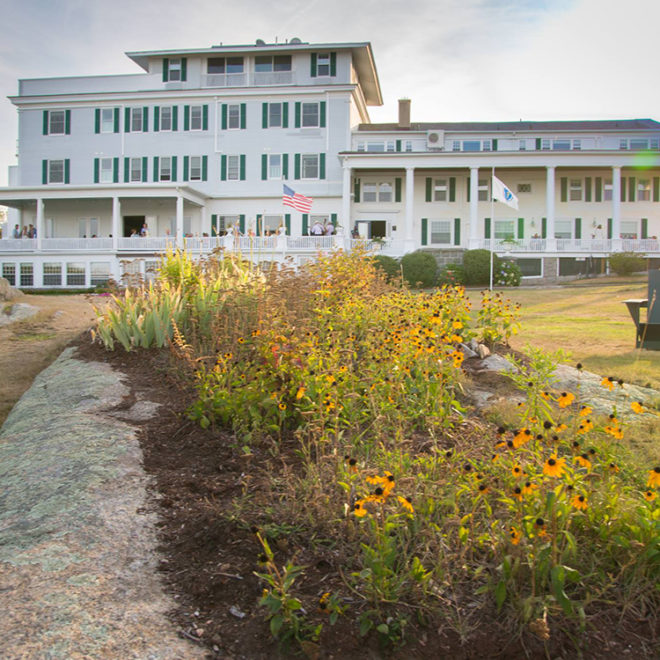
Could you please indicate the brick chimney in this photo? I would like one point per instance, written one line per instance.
(404, 113)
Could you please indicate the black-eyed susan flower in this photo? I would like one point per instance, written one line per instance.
(241, 340)
(650, 495)
(585, 426)
(585, 411)
(228, 356)
(359, 509)
(539, 527)
(614, 431)
(352, 464)
(579, 502)
(654, 478)
(323, 601)
(514, 535)
(483, 488)
(613, 467)
(529, 488)
(517, 471)
(521, 438)
(565, 399)
(554, 466)
(583, 461)
(300, 393)
(637, 407)
(546, 395)
(608, 382)
(560, 427)
(281, 406)
(517, 493)
(405, 503)
(547, 425)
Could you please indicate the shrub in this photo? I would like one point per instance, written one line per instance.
(477, 266)
(389, 266)
(508, 274)
(452, 275)
(419, 269)
(625, 263)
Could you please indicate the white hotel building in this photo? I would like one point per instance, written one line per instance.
(203, 139)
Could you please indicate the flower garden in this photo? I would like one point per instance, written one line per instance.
(346, 400)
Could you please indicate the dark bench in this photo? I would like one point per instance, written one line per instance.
(648, 333)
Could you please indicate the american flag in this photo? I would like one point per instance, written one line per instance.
(296, 200)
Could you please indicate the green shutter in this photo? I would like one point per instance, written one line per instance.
(205, 117)
(175, 118)
(97, 120)
(127, 120)
(156, 170)
(205, 167)
(321, 166)
(127, 170)
(296, 166)
(486, 227)
(631, 189)
(622, 183)
(67, 170)
(67, 122)
(44, 171)
(186, 117)
(242, 167)
(587, 189)
(322, 111)
(544, 228)
(598, 192)
(145, 166)
(397, 189)
(645, 228)
(145, 119)
(96, 170)
(186, 162)
(457, 231)
(312, 68)
(166, 67)
(356, 191)
(285, 166)
(656, 189)
(429, 188)
(156, 118)
(264, 115)
(538, 144)
(259, 224)
(521, 227)
(45, 122)
(115, 170)
(333, 220)
(243, 115)
(467, 181)
(305, 224)
(116, 120)
(578, 228)
(452, 188)
(287, 223)
(264, 167)
(564, 189)
(184, 69)
(223, 167)
(609, 228)
(174, 177)
(297, 114)
(241, 223)
(425, 224)
(285, 114)
(398, 145)
(214, 224)
(224, 116)
(495, 144)
(333, 64)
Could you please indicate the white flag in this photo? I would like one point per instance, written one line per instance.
(502, 194)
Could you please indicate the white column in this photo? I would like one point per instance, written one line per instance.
(346, 220)
(550, 244)
(179, 221)
(474, 207)
(202, 220)
(40, 222)
(616, 203)
(410, 198)
(116, 222)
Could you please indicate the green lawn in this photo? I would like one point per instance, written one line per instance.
(589, 320)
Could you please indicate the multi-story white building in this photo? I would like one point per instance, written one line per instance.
(204, 139)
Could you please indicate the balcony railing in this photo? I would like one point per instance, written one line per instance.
(244, 79)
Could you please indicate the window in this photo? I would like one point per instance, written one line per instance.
(107, 120)
(135, 170)
(52, 274)
(274, 166)
(561, 145)
(323, 64)
(456, 145)
(471, 145)
(56, 122)
(504, 230)
(271, 223)
(56, 171)
(136, 120)
(27, 275)
(99, 273)
(75, 274)
(233, 168)
(441, 190)
(310, 166)
(165, 168)
(166, 118)
(607, 190)
(483, 190)
(266, 63)
(274, 115)
(644, 190)
(369, 192)
(522, 145)
(224, 65)
(524, 187)
(563, 229)
(195, 171)
(408, 145)
(530, 267)
(545, 144)
(628, 228)
(9, 273)
(623, 144)
(440, 232)
(105, 170)
(174, 70)
(234, 115)
(195, 117)
(577, 145)
(575, 190)
(310, 115)
(487, 145)
(385, 193)
(223, 222)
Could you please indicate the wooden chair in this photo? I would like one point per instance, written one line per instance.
(648, 333)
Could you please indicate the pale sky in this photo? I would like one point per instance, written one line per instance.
(458, 60)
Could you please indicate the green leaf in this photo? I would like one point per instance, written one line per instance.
(383, 629)
(276, 624)
(500, 594)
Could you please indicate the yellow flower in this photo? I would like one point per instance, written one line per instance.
(614, 431)
(583, 460)
(358, 509)
(585, 410)
(608, 382)
(386, 483)
(352, 463)
(529, 488)
(654, 478)
(560, 427)
(522, 437)
(650, 495)
(405, 503)
(554, 466)
(282, 406)
(585, 427)
(456, 325)
(300, 393)
(565, 399)
(517, 493)
(539, 525)
(514, 535)
(516, 471)
(613, 467)
(579, 502)
(637, 407)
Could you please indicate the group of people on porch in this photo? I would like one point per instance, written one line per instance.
(26, 232)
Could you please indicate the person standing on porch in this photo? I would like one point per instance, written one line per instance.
(145, 230)
(317, 229)
(17, 231)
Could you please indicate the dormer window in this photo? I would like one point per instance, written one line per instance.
(268, 63)
(175, 71)
(323, 64)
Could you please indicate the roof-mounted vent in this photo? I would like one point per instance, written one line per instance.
(295, 40)
(261, 42)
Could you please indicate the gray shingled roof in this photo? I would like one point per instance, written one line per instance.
(467, 126)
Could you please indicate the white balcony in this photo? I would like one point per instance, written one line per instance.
(224, 80)
(247, 79)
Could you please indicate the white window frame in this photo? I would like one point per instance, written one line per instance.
(522, 145)
(106, 167)
(274, 171)
(577, 144)
(275, 116)
(166, 112)
(483, 190)
(643, 190)
(546, 144)
(165, 169)
(385, 191)
(369, 191)
(456, 145)
(53, 168)
(271, 223)
(225, 221)
(504, 229)
(51, 115)
(195, 168)
(313, 163)
(323, 65)
(132, 170)
(274, 65)
(561, 144)
(434, 230)
(174, 70)
(629, 229)
(575, 190)
(52, 273)
(107, 120)
(441, 190)
(309, 118)
(608, 190)
(563, 228)
(196, 114)
(233, 168)
(233, 116)
(137, 120)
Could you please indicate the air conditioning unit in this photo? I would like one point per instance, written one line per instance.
(435, 140)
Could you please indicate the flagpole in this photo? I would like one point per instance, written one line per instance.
(492, 226)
